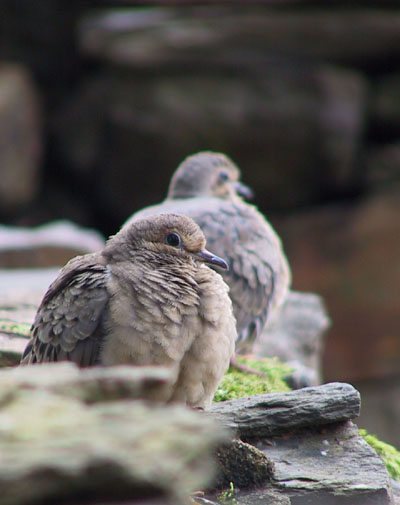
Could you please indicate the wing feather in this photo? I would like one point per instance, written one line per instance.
(69, 322)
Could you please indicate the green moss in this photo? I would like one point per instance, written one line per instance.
(237, 384)
(227, 497)
(389, 454)
(14, 328)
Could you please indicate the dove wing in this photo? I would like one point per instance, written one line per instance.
(237, 236)
(68, 323)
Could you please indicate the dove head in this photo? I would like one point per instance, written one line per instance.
(207, 174)
(163, 239)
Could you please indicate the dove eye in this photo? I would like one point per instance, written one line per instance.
(223, 176)
(173, 239)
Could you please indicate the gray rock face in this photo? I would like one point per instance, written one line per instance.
(272, 414)
(328, 466)
(70, 435)
(55, 447)
(314, 451)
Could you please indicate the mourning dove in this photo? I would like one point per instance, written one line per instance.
(206, 187)
(147, 298)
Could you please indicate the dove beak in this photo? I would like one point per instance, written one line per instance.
(243, 190)
(212, 259)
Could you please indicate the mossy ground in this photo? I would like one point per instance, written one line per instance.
(237, 384)
(389, 454)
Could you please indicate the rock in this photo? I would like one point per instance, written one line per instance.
(296, 337)
(87, 438)
(350, 254)
(242, 465)
(396, 492)
(331, 466)
(89, 385)
(314, 451)
(20, 138)
(272, 414)
(119, 451)
(48, 245)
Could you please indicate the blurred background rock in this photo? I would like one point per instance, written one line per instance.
(98, 105)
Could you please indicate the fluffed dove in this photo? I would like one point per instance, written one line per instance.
(147, 298)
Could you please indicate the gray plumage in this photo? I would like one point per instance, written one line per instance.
(147, 298)
(206, 187)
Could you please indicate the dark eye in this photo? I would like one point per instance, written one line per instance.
(223, 176)
(173, 239)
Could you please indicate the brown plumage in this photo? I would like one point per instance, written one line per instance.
(206, 187)
(147, 298)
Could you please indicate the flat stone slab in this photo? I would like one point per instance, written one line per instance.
(272, 414)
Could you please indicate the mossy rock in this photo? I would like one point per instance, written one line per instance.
(237, 384)
(389, 454)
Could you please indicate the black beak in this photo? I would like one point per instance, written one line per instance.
(243, 190)
(211, 258)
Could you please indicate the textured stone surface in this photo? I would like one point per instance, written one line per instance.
(329, 466)
(89, 385)
(242, 465)
(276, 413)
(73, 435)
(55, 448)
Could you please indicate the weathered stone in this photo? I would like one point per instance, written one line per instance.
(243, 465)
(55, 448)
(296, 337)
(90, 385)
(350, 254)
(328, 466)
(276, 413)
(20, 138)
(48, 245)
(253, 497)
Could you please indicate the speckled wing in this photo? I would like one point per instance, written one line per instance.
(258, 271)
(68, 323)
(235, 234)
